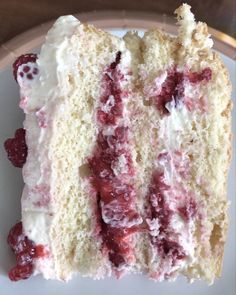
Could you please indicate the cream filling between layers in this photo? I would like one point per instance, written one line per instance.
(175, 132)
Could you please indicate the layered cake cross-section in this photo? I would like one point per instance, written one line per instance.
(125, 151)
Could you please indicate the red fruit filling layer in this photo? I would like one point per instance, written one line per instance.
(160, 210)
(27, 71)
(113, 182)
(173, 87)
(188, 211)
(16, 148)
(26, 251)
(111, 100)
(159, 214)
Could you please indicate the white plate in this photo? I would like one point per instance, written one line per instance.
(11, 118)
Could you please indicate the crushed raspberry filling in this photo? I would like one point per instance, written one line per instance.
(115, 197)
(111, 100)
(112, 171)
(25, 251)
(24, 62)
(189, 210)
(173, 87)
(195, 77)
(16, 148)
(159, 210)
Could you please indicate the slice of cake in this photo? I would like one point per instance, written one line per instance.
(125, 152)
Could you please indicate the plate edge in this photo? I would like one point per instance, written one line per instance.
(109, 19)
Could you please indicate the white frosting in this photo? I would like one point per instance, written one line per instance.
(174, 126)
(55, 63)
(40, 100)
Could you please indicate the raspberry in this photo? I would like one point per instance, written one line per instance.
(15, 236)
(16, 148)
(21, 272)
(18, 242)
(27, 71)
(24, 258)
(25, 252)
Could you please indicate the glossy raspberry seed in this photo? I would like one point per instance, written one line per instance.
(21, 60)
(16, 148)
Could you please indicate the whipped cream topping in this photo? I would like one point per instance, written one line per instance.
(55, 63)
